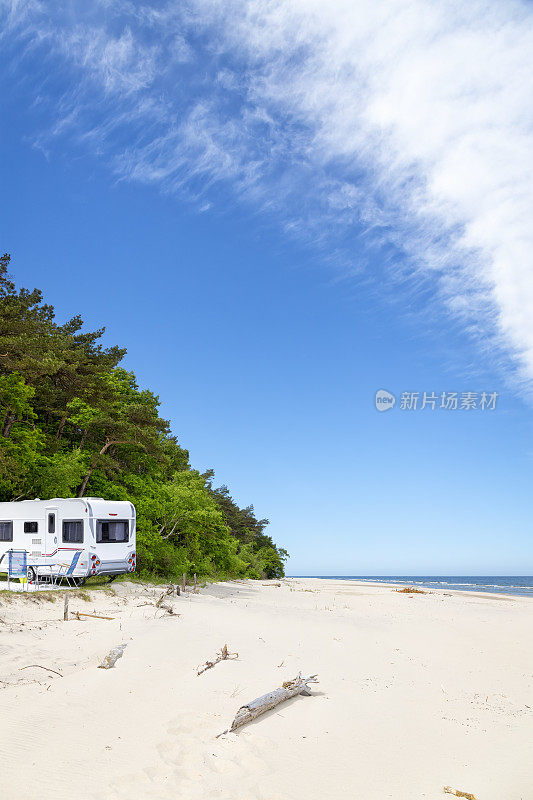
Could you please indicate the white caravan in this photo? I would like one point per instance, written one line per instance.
(51, 531)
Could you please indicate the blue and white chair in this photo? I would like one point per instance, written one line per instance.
(17, 567)
(66, 571)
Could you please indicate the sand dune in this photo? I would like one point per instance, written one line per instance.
(415, 693)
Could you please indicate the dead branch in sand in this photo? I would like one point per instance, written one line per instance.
(112, 657)
(277, 585)
(168, 591)
(41, 667)
(266, 702)
(458, 793)
(224, 655)
(79, 614)
(169, 610)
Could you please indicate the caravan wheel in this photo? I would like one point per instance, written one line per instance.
(31, 575)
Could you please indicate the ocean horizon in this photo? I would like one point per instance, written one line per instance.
(496, 584)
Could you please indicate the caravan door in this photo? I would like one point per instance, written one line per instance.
(50, 534)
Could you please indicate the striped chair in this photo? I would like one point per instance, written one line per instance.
(66, 571)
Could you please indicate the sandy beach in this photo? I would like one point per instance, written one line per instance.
(416, 692)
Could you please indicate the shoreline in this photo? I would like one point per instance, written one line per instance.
(424, 586)
(393, 585)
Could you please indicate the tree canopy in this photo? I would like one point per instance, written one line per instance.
(73, 422)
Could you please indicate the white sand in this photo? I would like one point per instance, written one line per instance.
(415, 693)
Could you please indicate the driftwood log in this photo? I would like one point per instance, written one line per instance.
(266, 702)
(224, 655)
(112, 657)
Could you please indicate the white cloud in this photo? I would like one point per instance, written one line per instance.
(409, 120)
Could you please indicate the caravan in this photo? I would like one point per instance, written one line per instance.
(50, 532)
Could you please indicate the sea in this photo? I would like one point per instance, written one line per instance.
(496, 584)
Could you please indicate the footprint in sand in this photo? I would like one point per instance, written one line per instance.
(199, 765)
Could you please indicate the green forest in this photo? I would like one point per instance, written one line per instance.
(75, 423)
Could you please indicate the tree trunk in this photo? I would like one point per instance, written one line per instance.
(59, 433)
(86, 479)
(85, 482)
(106, 447)
(8, 425)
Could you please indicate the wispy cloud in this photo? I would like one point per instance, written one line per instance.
(406, 121)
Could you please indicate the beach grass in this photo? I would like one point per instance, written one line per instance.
(410, 590)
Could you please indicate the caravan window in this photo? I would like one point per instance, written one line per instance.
(73, 531)
(116, 530)
(31, 527)
(6, 531)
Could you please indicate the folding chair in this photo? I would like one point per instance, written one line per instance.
(66, 570)
(18, 567)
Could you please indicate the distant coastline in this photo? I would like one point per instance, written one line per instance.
(521, 585)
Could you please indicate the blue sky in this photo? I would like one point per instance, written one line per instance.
(277, 222)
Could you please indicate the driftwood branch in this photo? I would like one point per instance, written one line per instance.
(112, 657)
(169, 610)
(266, 702)
(94, 616)
(224, 655)
(168, 591)
(459, 793)
(41, 667)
